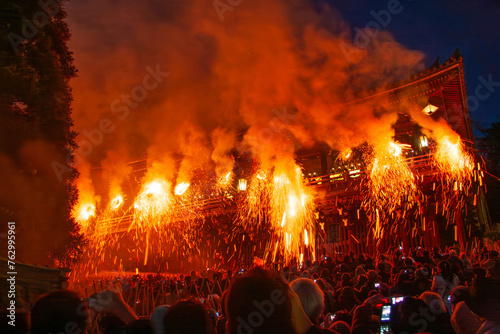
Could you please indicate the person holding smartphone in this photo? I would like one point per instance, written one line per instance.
(372, 284)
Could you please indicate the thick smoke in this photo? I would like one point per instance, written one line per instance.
(185, 77)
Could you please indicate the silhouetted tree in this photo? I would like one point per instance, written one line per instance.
(36, 137)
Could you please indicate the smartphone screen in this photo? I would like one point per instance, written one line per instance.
(386, 313)
(384, 329)
(396, 300)
(377, 285)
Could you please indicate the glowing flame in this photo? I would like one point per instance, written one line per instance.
(152, 203)
(395, 149)
(85, 211)
(116, 202)
(153, 188)
(306, 238)
(346, 154)
(181, 188)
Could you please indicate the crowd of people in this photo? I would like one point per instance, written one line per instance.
(426, 291)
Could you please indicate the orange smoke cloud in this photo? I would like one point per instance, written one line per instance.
(233, 74)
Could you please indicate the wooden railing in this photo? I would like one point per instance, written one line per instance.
(336, 182)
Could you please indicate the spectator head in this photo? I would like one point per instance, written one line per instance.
(382, 257)
(359, 271)
(347, 259)
(434, 302)
(381, 267)
(59, 312)
(346, 278)
(362, 279)
(111, 324)
(428, 267)
(139, 326)
(260, 302)
(311, 298)
(188, 316)
(408, 262)
(340, 327)
(325, 273)
(460, 294)
(453, 253)
(422, 273)
(372, 276)
(443, 266)
(406, 315)
(364, 321)
(494, 254)
(347, 294)
(157, 318)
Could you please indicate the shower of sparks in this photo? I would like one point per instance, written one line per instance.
(392, 184)
(282, 205)
(454, 162)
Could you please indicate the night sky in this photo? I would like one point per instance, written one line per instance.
(437, 28)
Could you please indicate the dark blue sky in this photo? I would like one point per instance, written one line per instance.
(438, 27)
